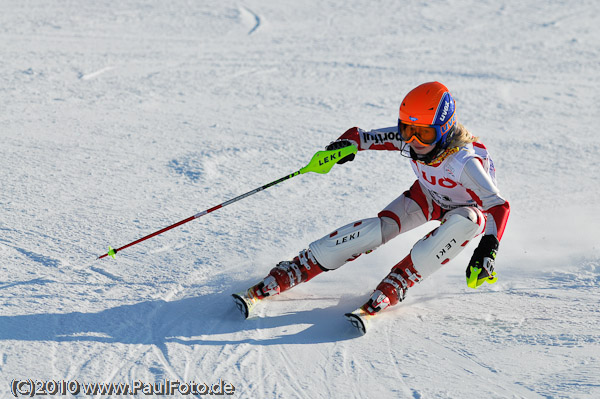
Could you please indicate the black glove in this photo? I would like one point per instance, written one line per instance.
(336, 145)
(481, 266)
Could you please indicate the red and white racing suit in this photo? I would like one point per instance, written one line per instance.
(461, 176)
(458, 188)
(460, 180)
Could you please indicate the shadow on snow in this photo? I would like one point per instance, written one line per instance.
(208, 320)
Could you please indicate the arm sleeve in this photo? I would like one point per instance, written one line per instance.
(484, 192)
(373, 140)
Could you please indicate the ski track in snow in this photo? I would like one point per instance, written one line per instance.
(246, 13)
(97, 73)
(119, 120)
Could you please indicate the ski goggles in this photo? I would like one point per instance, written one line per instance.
(424, 134)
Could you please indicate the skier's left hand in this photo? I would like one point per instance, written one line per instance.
(481, 266)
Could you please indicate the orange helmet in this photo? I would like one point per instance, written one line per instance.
(427, 115)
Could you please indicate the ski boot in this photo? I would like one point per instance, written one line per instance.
(282, 277)
(390, 291)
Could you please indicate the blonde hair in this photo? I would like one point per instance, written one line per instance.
(461, 136)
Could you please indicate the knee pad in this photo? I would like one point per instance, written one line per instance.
(437, 248)
(347, 243)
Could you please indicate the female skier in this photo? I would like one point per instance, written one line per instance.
(455, 185)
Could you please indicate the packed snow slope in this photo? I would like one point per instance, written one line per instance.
(120, 118)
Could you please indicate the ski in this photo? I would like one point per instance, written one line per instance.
(359, 320)
(244, 303)
(246, 300)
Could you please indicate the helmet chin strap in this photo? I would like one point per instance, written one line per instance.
(426, 158)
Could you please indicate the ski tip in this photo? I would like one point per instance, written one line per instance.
(357, 322)
(241, 304)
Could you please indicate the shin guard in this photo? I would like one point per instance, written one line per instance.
(347, 243)
(437, 248)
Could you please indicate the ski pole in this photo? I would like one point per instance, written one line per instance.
(321, 162)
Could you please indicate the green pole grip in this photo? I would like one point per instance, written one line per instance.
(323, 161)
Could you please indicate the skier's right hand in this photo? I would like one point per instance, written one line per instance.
(341, 143)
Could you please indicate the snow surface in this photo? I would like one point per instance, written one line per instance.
(120, 118)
